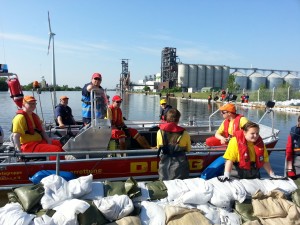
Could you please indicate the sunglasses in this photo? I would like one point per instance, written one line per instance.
(118, 102)
(97, 78)
(224, 112)
(31, 103)
(163, 104)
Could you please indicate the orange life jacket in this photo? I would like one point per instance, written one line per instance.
(36, 119)
(236, 125)
(245, 162)
(117, 117)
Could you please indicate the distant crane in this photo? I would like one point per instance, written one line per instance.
(51, 37)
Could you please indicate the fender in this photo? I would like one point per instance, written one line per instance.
(15, 89)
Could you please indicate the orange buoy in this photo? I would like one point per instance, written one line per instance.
(15, 89)
(35, 84)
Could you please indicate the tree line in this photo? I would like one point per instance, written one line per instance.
(29, 87)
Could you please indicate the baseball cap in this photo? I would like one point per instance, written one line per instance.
(28, 98)
(97, 75)
(163, 101)
(117, 98)
(229, 107)
(63, 97)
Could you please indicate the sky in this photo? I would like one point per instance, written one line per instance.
(94, 35)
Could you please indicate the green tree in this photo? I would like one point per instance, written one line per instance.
(146, 88)
(232, 85)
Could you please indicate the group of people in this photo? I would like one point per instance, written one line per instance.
(245, 148)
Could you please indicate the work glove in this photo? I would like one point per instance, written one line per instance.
(225, 177)
(276, 177)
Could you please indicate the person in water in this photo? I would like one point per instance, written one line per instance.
(232, 123)
(28, 133)
(173, 142)
(119, 130)
(164, 108)
(101, 100)
(293, 152)
(63, 113)
(248, 153)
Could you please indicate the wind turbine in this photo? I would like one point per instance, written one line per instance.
(51, 37)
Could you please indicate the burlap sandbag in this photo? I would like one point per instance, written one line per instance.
(30, 197)
(128, 220)
(296, 197)
(245, 210)
(157, 190)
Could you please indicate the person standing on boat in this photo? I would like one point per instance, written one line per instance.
(232, 123)
(293, 152)
(247, 152)
(101, 103)
(164, 108)
(173, 142)
(28, 133)
(63, 113)
(119, 130)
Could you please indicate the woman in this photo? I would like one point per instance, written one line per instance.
(247, 152)
(173, 141)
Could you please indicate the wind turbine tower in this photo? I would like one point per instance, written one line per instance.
(51, 37)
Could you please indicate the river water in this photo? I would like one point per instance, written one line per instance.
(146, 107)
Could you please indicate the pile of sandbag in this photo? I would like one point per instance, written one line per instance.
(190, 201)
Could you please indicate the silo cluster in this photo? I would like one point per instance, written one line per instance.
(197, 76)
(255, 80)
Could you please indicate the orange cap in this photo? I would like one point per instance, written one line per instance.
(229, 107)
(63, 97)
(28, 98)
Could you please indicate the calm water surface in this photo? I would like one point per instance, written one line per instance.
(146, 107)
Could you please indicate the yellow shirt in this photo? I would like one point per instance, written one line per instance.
(243, 121)
(185, 140)
(20, 126)
(232, 151)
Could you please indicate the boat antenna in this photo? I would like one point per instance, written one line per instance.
(51, 37)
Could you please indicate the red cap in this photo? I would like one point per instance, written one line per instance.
(117, 98)
(96, 75)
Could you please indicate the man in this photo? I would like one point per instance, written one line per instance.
(173, 142)
(119, 130)
(63, 113)
(164, 108)
(101, 100)
(28, 133)
(232, 123)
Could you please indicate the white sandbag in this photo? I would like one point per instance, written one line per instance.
(115, 207)
(43, 220)
(80, 186)
(13, 213)
(97, 192)
(253, 185)
(229, 218)
(211, 212)
(286, 186)
(200, 192)
(152, 214)
(176, 188)
(237, 189)
(66, 212)
(56, 191)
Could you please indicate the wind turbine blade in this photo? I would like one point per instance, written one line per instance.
(49, 23)
(49, 44)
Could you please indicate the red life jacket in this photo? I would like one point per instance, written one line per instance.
(236, 125)
(245, 162)
(36, 119)
(117, 117)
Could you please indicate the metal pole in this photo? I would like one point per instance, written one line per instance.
(288, 94)
(273, 93)
(258, 95)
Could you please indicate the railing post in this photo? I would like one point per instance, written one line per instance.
(258, 94)
(288, 94)
(273, 93)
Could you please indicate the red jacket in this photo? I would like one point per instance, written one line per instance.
(36, 119)
(236, 125)
(117, 116)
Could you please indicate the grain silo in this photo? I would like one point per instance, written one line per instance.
(241, 79)
(225, 75)
(209, 82)
(201, 77)
(193, 70)
(256, 80)
(218, 76)
(292, 80)
(274, 80)
(183, 75)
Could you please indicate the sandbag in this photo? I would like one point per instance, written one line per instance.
(128, 220)
(157, 190)
(245, 210)
(296, 197)
(91, 216)
(130, 188)
(30, 196)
